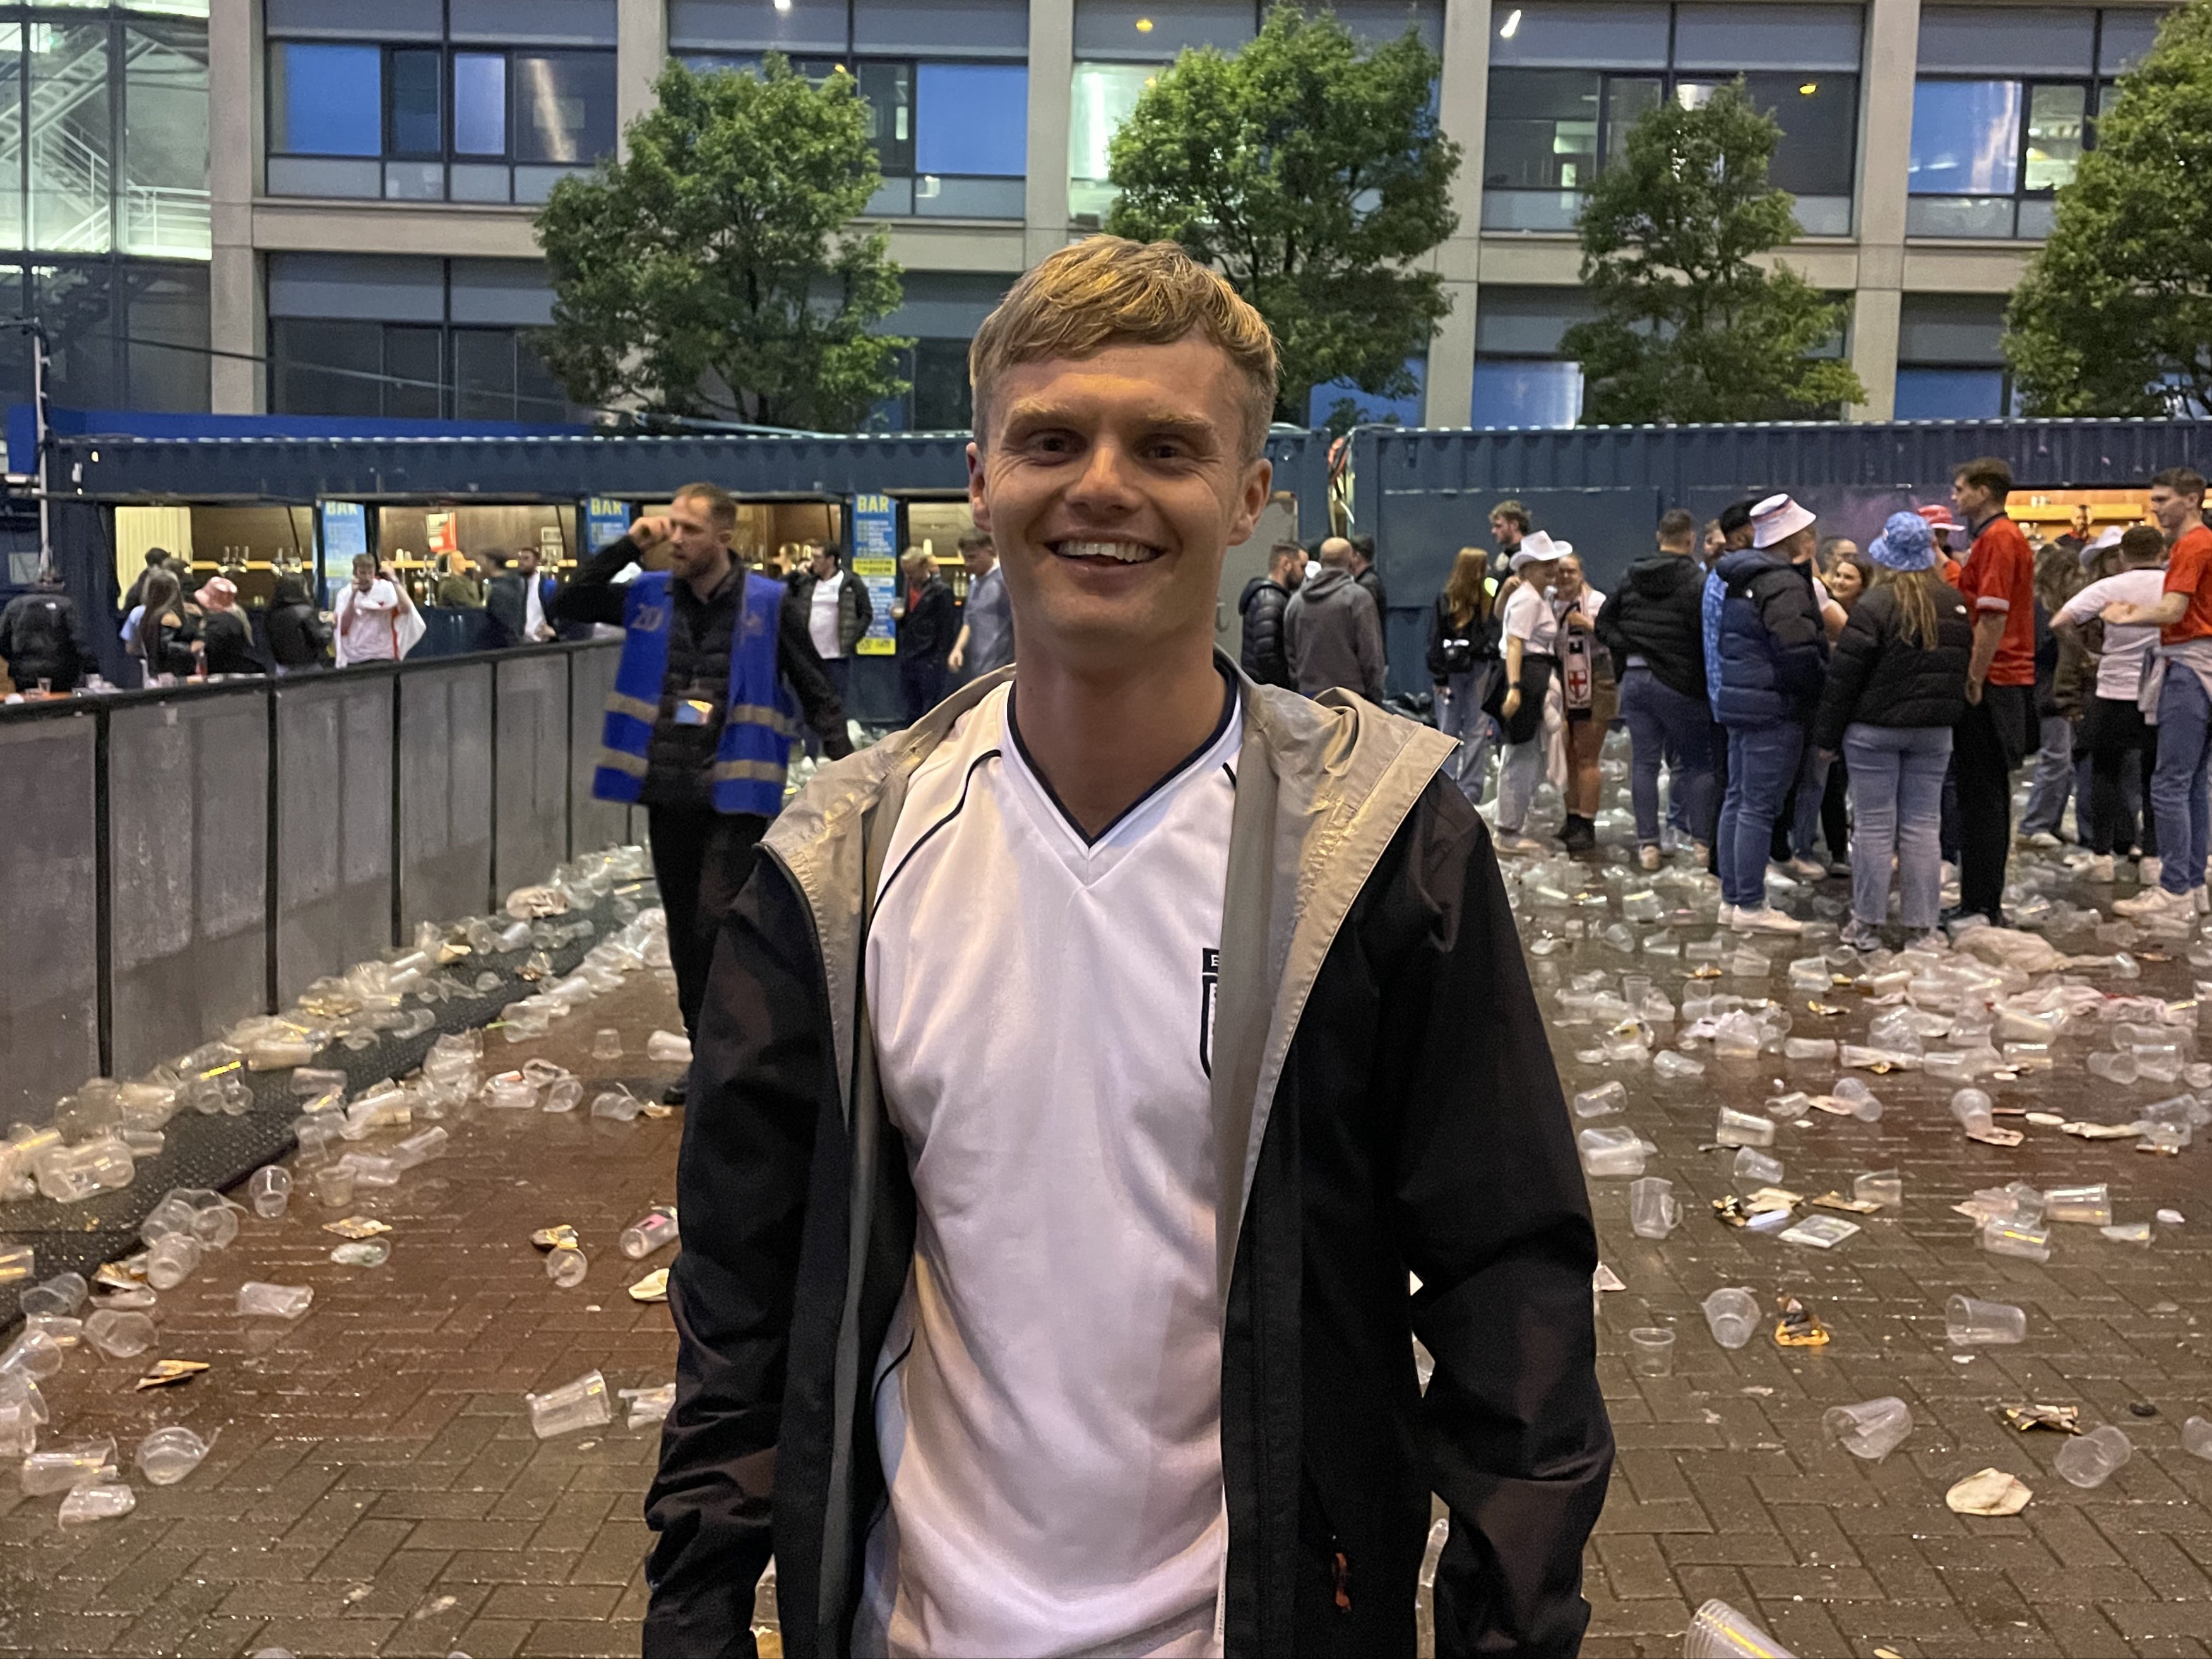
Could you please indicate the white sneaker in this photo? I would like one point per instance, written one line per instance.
(2099, 868)
(1728, 915)
(1933, 939)
(1767, 919)
(1517, 843)
(2156, 902)
(1807, 869)
(2147, 871)
(2040, 838)
(1647, 858)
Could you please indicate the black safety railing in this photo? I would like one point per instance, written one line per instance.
(173, 860)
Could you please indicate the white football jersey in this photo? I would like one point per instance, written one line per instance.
(1049, 1400)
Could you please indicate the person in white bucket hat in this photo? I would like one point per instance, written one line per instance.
(1532, 659)
(1772, 657)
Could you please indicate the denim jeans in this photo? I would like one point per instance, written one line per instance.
(1812, 790)
(1663, 724)
(2054, 779)
(1761, 761)
(2178, 786)
(1897, 804)
(1518, 774)
(1458, 716)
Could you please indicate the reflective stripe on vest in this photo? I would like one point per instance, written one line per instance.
(750, 760)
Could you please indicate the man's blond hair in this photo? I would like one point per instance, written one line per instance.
(1108, 291)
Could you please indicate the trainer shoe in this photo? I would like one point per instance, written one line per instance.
(1807, 869)
(1517, 843)
(2157, 901)
(1767, 919)
(1933, 939)
(1647, 858)
(2148, 869)
(1860, 937)
(2202, 900)
(2040, 838)
(2099, 868)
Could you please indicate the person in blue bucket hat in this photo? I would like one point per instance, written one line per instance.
(1897, 684)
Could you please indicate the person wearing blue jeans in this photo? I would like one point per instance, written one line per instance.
(1896, 686)
(1662, 722)
(1766, 654)
(1653, 626)
(1762, 761)
(2184, 617)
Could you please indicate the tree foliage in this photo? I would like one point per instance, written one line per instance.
(1692, 327)
(2114, 316)
(713, 271)
(1312, 175)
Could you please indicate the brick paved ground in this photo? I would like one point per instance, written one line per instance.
(375, 1489)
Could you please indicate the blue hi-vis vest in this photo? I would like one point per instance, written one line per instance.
(757, 731)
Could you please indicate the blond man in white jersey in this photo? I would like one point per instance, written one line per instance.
(1085, 1073)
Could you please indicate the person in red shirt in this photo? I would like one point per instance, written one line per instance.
(2183, 614)
(1999, 581)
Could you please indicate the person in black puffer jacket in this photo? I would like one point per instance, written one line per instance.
(1896, 687)
(299, 639)
(41, 639)
(1263, 654)
(1653, 626)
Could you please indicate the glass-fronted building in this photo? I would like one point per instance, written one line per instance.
(325, 206)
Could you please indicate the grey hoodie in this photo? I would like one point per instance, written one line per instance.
(1333, 636)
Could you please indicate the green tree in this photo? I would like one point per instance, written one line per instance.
(1312, 175)
(1692, 327)
(714, 273)
(2114, 316)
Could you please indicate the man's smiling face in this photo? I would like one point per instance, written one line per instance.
(1112, 486)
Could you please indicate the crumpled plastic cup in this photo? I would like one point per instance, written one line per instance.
(1872, 1429)
(1653, 1210)
(582, 1404)
(168, 1455)
(1719, 1631)
(2091, 1458)
(118, 1335)
(258, 1300)
(62, 1295)
(1732, 1315)
(1972, 1323)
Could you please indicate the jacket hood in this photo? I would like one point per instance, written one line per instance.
(1251, 591)
(1745, 563)
(1321, 587)
(1656, 574)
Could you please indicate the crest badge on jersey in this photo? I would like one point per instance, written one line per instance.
(1209, 982)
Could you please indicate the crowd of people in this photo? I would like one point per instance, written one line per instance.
(1818, 710)
(177, 626)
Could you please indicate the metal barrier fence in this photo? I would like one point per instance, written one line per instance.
(172, 861)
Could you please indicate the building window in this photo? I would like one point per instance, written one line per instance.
(120, 333)
(104, 137)
(410, 339)
(1520, 379)
(432, 121)
(1121, 47)
(1950, 358)
(1568, 81)
(951, 139)
(2003, 110)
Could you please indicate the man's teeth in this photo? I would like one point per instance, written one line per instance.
(1124, 552)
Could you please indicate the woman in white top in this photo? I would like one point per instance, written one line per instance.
(376, 621)
(2113, 726)
(1587, 699)
(1531, 660)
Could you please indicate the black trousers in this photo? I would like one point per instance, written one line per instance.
(2116, 735)
(701, 858)
(1987, 743)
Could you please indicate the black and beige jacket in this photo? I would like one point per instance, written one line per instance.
(1384, 1102)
